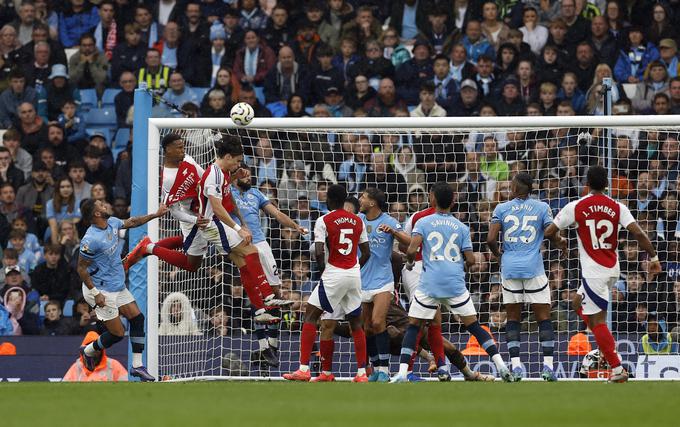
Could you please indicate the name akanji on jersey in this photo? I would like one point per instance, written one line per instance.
(412, 223)
(341, 231)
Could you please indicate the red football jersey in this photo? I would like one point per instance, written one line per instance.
(411, 222)
(597, 218)
(215, 182)
(341, 232)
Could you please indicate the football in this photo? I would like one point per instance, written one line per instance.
(242, 114)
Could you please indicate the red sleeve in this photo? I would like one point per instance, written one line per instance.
(238, 64)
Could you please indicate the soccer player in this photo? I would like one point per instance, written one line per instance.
(446, 249)
(338, 236)
(597, 218)
(250, 202)
(522, 221)
(101, 270)
(377, 279)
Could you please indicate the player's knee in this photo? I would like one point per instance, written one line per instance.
(137, 325)
(377, 325)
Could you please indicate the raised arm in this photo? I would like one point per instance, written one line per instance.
(283, 219)
(136, 221)
(400, 236)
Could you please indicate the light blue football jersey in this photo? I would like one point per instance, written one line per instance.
(445, 239)
(249, 203)
(522, 224)
(103, 248)
(377, 272)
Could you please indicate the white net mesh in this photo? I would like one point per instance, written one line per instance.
(293, 166)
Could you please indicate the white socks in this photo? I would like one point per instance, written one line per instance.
(516, 363)
(136, 360)
(149, 248)
(89, 349)
(498, 361)
(548, 361)
(304, 368)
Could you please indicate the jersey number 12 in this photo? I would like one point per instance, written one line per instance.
(599, 242)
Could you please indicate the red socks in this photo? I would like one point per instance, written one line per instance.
(307, 339)
(605, 341)
(260, 279)
(173, 257)
(434, 337)
(360, 347)
(326, 348)
(250, 286)
(582, 316)
(175, 242)
(415, 351)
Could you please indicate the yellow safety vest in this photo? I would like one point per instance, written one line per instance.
(648, 349)
(155, 81)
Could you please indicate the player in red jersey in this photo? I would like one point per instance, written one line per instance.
(337, 236)
(597, 218)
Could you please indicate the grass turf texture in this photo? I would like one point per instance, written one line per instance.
(341, 404)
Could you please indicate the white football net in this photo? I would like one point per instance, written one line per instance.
(210, 327)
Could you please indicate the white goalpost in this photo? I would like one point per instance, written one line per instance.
(199, 324)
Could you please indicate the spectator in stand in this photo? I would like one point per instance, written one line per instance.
(594, 102)
(466, 103)
(548, 99)
(253, 61)
(373, 65)
(346, 58)
(364, 27)
(492, 165)
(440, 32)
(28, 260)
(460, 68)
(17, 304)
(495, 31)
(306, 42)
(57, 90)
(177, 316)
(252, 17)
(529, 89)
(63, 207)
(218, 51)
(25, 22)
(445, 86)
(129, 55)
(62, 150)
(486, 83)
(124, 100)
(69, 240)
(179, 93)
(414, 72)
(475, 43)
(147, 26)
(106, 31)
(226, 83)
(323, 75)
(616, 20)
(12, 97)
(174, 53)
(154, 74)
(54, 279)
(296, 106)
(247, 94)
(73, 123)
(46, 155)
(668, 49)
(510, 103)
(335, 103)
(76, 172)
(37, 71)
(32, 243)
(570, 91)
(507, 56)
(535, 34)
(393, 51)
(635, 55)
(8, 172)
(584, 66)
(31, 127)
(387, 102)
(428, 106)
(279, 32)
(360, 93)
(674, 91)
(11, 140)
(382, 175)
(35, 194)
(55, 324)
(79, 17)
(549, 66)
(655, 81)
(285, 78)
(578, 28)
(217, 104)
(661, 26)
(602, 40)
(409, 18)
(95, 171)
(558, 38)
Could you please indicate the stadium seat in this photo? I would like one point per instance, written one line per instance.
(278, 109)
(101, 117)
(42, 309)
(259, 93)
(106, 131)
(88, 99)
(309, 110)
(109, 96)
(116, 150)
(122, 137)
(69, 304)
(200, 91)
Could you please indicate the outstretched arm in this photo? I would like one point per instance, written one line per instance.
(136, 221)
(283, 219)
(400, 236)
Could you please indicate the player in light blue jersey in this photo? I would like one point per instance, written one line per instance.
(101, 269)
(377, 279)
(446, 251)
(250, 201)
(521, 221)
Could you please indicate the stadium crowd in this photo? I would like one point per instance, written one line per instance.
(68, 71)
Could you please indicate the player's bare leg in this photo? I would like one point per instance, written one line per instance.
(486, 341)
(546, 335)
(607, 345)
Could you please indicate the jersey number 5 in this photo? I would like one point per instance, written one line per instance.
(599, 242)
(451, 250)
(345, 240)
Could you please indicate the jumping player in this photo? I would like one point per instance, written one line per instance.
(522, 221)
(101, 270)
(597, 218)
(338, 235)
(377, 279)
(445, 241)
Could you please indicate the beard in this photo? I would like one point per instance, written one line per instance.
(244, 185)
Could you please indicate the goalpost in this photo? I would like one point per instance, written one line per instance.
(310, 152)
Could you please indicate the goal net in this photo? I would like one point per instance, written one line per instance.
(200, 323)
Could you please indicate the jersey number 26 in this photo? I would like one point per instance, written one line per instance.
(451, 250)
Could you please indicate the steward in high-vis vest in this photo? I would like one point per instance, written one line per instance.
(107, 369)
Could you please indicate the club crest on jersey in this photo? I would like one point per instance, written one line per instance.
(369, 228)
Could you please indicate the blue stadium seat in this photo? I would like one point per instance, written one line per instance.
(116, 150)
(101, 117)
(88, 99)
(69, 304)
(278, 109)
(200, 91)
(108, 97)
(122, 137)
(42, 309)
(259, 93)
(104, 130)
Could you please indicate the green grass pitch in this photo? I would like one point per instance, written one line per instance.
(571, 404)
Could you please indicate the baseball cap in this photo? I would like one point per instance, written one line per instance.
(12, 268)
(331, 90)
(58, 70)
(469, 83)
(669, 43)
(421, 42)
(97, 134)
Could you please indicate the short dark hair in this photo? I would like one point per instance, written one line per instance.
(440, 57)
(87, 209)
(75, 164)
(16, 73)
(229, 144)
(354, 201)
(169, 139)
(427, 86)
(324, 50)
(597, 178)
(443, 194)
(17, 234)
(53, 248)
(377, 195)
(525, 181)
(85, 37)
(336, 195)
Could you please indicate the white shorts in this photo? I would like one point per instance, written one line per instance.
(271, 270)
(368, 295)
(113, 301)
(338, 293)
(223, 237)
(425, 306)
(531, 291)
(411, 279)
(595, 293)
